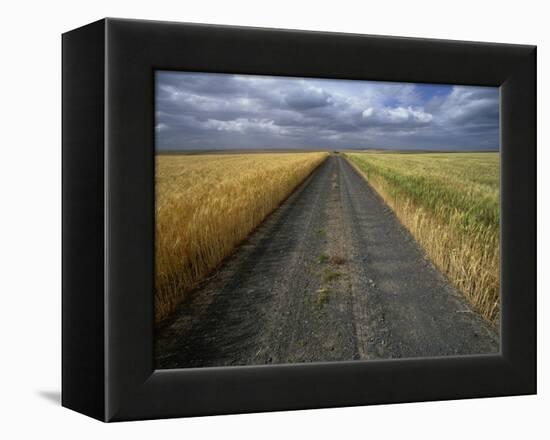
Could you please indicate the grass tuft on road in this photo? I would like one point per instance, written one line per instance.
(321, 259)
(330, 275)
(322, 296)
(450, 204)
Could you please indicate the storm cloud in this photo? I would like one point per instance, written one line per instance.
(196, 111)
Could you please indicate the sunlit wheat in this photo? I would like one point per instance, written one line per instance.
(207, 204)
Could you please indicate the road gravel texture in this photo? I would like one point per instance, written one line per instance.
(331, 275)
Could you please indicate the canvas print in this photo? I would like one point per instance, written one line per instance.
(304, 220)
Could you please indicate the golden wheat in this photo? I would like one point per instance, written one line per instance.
(207, 204)
(449, 202)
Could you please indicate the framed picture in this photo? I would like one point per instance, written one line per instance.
(262, 219)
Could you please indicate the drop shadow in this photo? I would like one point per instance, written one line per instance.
(51, 396)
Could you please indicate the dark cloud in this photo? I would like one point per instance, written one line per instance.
(217, 111)
(306, 99)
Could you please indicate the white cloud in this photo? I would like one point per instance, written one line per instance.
(244, 125)
(368, 112)
(397, 115)
(468, 105)
(236, 125)
(420, 115)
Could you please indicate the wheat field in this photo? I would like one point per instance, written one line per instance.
(450, 204)
(207, 204)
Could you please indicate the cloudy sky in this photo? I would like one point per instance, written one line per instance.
(197, 111)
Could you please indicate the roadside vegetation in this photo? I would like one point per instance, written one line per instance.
(450, 204)
(207, 204)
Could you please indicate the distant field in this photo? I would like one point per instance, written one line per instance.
(450, 204)
(207, 204)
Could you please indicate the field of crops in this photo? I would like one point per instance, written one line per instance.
(207, 204)
(450, 204)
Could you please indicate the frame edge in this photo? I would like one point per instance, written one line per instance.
(83, 100)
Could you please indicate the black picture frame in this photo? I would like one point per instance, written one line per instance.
(108, 219)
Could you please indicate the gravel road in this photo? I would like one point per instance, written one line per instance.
(331, 275)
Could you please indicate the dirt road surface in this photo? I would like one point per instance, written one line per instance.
(329, 276)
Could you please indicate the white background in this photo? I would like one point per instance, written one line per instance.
(30, 241)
